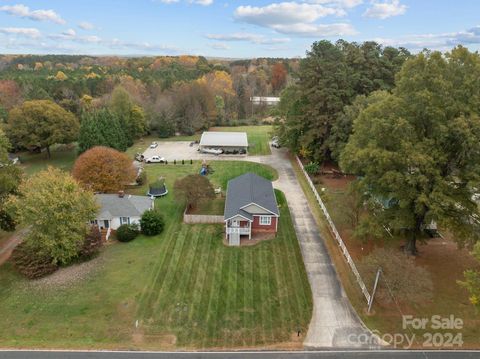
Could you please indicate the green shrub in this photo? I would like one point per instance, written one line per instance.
(312, 168)
(152, 223)
(28, 262)
(141, 178)
(127, 232)
(92, 244)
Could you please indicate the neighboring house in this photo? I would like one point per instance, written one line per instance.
(118, 209)
(229, 142)
(250, 208)
(263, 100)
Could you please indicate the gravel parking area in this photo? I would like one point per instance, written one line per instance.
(181, 150)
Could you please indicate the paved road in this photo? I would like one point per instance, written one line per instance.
(241, 355)
(334, 322)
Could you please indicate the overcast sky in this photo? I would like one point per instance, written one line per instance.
(234, 28)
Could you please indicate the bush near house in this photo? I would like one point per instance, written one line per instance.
(31, 263)
(92, 244)
(152, 223)
(127, 232)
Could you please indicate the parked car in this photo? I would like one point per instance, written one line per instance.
(155, 159)
(275, 143)
(211, 151)
(139, 157)
(154, 145)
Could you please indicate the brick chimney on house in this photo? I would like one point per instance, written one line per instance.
(121, 194)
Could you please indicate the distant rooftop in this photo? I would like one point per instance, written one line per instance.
(234, 139)
(265, 99)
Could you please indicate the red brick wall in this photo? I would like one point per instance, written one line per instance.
(256, 227)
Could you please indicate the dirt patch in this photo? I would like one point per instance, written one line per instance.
(8, 245)
(68, 276)
(257, 238)
(164, 341)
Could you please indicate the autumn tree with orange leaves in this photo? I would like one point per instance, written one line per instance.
(279, 76)
(103, 169)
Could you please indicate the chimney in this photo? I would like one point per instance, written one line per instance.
(121, 194)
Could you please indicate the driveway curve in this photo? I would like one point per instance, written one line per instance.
(334, 322)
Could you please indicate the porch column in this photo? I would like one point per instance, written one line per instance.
(250, 230)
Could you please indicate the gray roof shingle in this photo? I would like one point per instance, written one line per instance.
(246, 189)
(112, 206)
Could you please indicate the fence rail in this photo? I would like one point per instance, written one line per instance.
(335, 233)
(200, 218)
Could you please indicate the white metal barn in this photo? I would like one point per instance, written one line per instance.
(229, 142)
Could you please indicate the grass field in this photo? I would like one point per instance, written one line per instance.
(185, 288)
(63, 157)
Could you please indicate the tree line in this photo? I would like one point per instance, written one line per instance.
(407, 126)
(176, 94)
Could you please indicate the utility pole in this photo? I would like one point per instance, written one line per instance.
(377, 277)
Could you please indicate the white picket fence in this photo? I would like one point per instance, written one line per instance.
(336, 234)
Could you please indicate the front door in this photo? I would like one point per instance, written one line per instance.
(235, 223)
(106, 224)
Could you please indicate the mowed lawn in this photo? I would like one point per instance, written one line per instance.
(62, 156)
(184, 287)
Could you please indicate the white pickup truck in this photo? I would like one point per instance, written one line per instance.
(155, 159)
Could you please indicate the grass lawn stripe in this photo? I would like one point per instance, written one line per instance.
(231, 311)
(208, 296)
(220, 295)
(211, 338)
(180, 286)
(161, 285)
(288, 241)
(298, 288)
(237, 298)
(166, 299)
(267, 295)
(197, 267)
(259, 316)
(280, 309)
(203, 309)
(147, 308)
(247, 297)
(198, 285)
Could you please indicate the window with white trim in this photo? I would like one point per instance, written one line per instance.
(265, 220)
(124, 220)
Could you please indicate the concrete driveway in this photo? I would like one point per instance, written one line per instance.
(181, 150)
(334, 323)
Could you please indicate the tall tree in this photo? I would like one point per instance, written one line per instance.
(419, 147)
(101, 128)
(103, 169)
(122, 105)
(329, 78)
(41, 123)
(193, 190)
(57, 211)
(472, 279)
(279, 76)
